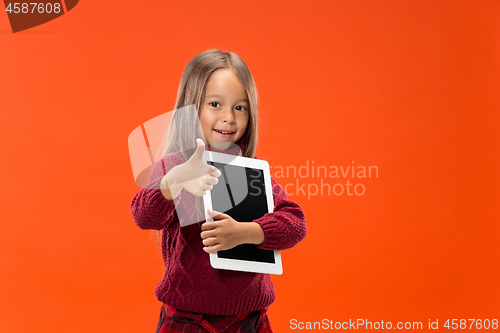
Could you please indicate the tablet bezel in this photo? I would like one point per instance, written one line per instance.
(236, 264)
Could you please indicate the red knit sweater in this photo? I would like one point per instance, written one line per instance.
(189, 282)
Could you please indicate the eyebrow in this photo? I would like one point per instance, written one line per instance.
(216, 95)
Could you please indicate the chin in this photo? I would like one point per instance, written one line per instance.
(222, 145)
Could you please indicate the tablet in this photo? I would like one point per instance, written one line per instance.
(244, 192)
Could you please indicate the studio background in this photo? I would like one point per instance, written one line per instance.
(411, 87)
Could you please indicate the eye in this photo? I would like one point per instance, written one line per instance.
(241, 108)
(214, 104)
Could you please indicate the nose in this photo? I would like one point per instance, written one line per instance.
(227, 116)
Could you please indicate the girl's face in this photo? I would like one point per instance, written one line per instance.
(225, 110)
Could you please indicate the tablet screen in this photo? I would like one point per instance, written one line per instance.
(244, 201)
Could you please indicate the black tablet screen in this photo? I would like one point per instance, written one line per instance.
(241, 194)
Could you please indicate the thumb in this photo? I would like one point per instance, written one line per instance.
(199, 149)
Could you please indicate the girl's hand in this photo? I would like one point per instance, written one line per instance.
(194, 175)
(226, 233)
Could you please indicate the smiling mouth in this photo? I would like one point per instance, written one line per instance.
(223, 132)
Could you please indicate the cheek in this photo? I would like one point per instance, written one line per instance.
(205, 121)
(244, 122)
(204, 125)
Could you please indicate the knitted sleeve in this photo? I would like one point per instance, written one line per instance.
(285, 226)
(150, 209)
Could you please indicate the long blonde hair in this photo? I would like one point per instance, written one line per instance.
(190, 98)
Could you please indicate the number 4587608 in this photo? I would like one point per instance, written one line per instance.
(40, 8)
(470, 323)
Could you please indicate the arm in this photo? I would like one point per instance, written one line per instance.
(150, 207)
(224, 233)
(285, 226)
(282, 229)
(171, 187)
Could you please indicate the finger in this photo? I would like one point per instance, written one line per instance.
(207, 187)
(215, 172)
(209, 225)
(208, 233)
(212, 181)
(217, 215)
(212, 249)
(210, 241)
(201, 192)
(200, 148)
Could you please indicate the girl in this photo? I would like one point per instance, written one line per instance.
(195, 296)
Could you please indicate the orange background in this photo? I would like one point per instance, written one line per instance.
(411, 87)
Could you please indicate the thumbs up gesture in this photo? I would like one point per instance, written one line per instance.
(194, 175)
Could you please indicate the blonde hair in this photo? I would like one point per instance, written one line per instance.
(190, 98)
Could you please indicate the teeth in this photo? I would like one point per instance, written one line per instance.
(224, 132)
